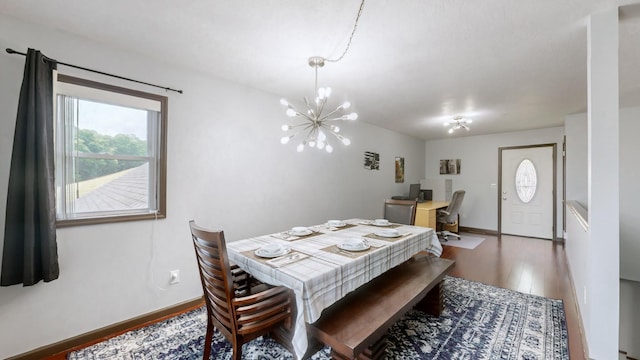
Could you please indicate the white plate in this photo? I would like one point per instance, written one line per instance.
(261, 253)
(388, 234)
(342, 224)
(301, 233)
(378, 224)
(346, 247)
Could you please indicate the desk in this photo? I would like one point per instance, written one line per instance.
(324, 276)
(426, 213)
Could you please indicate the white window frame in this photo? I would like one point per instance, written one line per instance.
(156, 142)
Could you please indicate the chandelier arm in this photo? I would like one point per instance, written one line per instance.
(297, 125)
(298, 113)
(321, 108)
(326, 117)
(338, 136)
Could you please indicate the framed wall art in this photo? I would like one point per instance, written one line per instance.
(371, 160)
(450, 167)
(399, 169)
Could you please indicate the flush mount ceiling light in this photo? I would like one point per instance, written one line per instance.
(319, 126)
(458, 123)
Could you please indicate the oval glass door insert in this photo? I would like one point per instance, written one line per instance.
(526, 180)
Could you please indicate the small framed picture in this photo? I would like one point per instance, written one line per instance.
(371, 160)
(450, 166)
(399, 169)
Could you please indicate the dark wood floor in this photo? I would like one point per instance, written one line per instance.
(531, 266)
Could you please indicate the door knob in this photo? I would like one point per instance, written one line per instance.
(504, 198)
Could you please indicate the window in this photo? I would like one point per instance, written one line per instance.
(110, 147)
(526, 181)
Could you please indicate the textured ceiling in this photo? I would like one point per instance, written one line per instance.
(413, 64)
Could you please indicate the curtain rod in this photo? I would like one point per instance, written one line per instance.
(11, 51)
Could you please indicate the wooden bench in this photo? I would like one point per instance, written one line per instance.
(356, 326)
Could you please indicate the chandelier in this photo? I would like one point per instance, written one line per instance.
(317, 125)
(458, 123)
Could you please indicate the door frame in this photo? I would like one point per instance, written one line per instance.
(554, 180)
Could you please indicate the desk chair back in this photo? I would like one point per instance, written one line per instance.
(239, 316)
(400, 211)
(450, 215)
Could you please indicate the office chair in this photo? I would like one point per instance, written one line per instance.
(400, 211)
(450, 215)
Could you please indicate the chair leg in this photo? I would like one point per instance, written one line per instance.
(207, 341)
(237, 350)
(449, 233)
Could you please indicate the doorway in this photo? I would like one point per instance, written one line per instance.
(527, 191)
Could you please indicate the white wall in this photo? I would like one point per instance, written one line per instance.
(575, 128)
(576, 132)
(577, 252)
(226, 169)
(479, 170)
(629, 194)
(630, 318)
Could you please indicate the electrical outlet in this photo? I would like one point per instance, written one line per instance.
(174, 277)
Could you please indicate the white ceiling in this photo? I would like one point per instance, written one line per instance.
(413, 64)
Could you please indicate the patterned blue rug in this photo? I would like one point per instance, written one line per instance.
(478, 322)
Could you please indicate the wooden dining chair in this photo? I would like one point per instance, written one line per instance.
(241, 309)
(400, 211)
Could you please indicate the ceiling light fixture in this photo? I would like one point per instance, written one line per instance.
(458, 123)
(316, 125)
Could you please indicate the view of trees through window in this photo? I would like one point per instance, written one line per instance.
(92, 142)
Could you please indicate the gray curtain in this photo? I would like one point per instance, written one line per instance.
(30, 250)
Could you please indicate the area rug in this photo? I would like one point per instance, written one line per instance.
(478, 322)
(466, 241)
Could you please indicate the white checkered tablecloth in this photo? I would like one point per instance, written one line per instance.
(323, 277)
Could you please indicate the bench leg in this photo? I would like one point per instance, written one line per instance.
(433, 303)
(376, 351)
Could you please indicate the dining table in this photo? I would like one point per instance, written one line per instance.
(321, 269)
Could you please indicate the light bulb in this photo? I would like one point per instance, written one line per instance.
(346, 105)
(312, 143)
(451, 131)
(445, 124)
(300, 148)
(327, 92)
(352, 116)
(321, 94)
(321, 136)
(320, 144)
(284, 102)
(335, 129)
(346, 141)
(286, 127)
(329, 148)
(469, 121)
(285, 139)
(291, 112)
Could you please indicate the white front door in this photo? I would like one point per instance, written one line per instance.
(527, 192)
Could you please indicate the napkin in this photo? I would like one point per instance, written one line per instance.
(287, 259)
(285, 236)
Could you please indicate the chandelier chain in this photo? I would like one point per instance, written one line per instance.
(355, 26)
